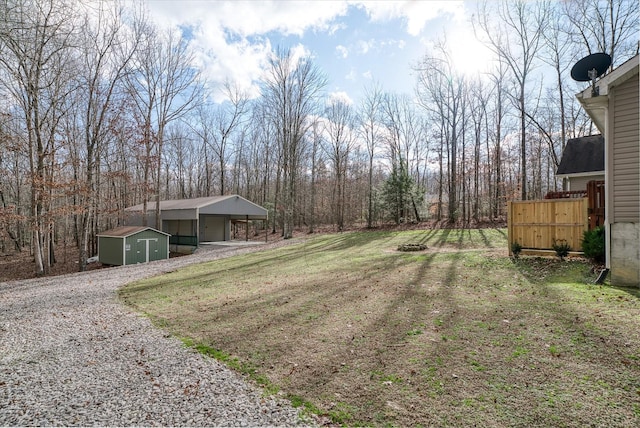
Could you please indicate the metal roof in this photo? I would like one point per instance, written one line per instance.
(234, 206)
(126, 231)
(181, 204)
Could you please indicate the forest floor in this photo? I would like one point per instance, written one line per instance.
(458, 334)
(15, 266)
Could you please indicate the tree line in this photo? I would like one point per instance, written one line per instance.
(102, 109)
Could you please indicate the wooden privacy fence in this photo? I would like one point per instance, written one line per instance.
(536, 225)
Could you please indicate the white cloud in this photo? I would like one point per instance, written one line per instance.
(227, 35)
(364, 46)
(247, 18)
(298, 52)
(367, 75)
(467, 54)
(238, 61)
(340, 96)
(233, 39)
(342, 51)
(416, 13)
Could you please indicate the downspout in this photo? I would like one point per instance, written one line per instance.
(608, 186)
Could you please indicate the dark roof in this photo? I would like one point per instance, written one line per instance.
(582, 155)
(124, 231)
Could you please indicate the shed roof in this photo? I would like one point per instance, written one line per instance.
(582, 155)
(126, 231)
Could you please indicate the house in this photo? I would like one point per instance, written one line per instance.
(582, 161)
(193, 221)
(615, 111)
(129, 245)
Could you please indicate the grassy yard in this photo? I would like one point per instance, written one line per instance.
(455, 335)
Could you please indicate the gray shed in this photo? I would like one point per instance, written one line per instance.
(129, 245)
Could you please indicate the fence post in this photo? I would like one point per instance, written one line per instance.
(585, 210)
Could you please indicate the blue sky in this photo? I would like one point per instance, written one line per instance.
(353, 42)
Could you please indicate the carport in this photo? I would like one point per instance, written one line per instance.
(192, 221)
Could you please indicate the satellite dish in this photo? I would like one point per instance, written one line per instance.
(590, 68)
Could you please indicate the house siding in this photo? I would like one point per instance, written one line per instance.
(625, 187)
(580, 183)
(626, 152)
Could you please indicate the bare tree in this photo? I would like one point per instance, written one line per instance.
(11, 182)
(217, 125)
(514, 31)
(35, 40)
(316, 139)
(291, 92)
(498, 79)
(609, 26)
(441, 92)
(106, 50)
(165, 86)
(340, 138)
(370, 129)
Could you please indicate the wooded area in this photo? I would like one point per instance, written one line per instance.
(102, 109)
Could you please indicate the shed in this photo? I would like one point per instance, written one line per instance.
(192, 221)
(129, 245)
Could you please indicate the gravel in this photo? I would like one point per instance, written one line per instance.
(72, 354)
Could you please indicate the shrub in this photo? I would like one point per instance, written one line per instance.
(593, 245)
(516, 249)
(561, 248)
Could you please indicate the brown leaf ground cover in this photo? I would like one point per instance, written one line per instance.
(455, 335)
(20, 265)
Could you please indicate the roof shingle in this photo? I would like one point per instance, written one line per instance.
(582, 155)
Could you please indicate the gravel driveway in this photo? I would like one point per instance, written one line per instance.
(72, 354)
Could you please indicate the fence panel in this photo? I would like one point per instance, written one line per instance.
(538, 224)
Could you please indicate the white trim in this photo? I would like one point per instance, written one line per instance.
(580, 174)
(618, 76)
(608, 189)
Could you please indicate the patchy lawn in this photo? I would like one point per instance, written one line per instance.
(457, 334)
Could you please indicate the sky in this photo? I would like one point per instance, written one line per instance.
(354, 43)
